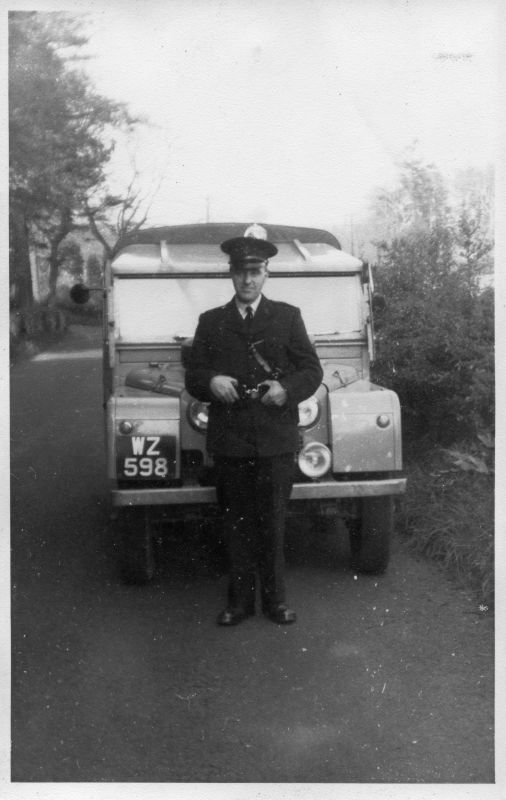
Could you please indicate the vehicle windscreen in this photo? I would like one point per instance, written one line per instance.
(158, 309)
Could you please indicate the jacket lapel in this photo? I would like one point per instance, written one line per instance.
(262, 316)
(233, 320)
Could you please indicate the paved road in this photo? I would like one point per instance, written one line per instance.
(384, 679)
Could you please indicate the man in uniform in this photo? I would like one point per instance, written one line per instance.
(253, 361)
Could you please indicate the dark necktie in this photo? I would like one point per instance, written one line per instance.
(248, 319)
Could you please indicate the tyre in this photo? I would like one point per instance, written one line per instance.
(370, 534)
(137, 552)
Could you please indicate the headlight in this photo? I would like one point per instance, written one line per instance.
(309, 411)
(198, 415)
(314, 459)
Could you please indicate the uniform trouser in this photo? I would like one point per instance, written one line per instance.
(253, 494)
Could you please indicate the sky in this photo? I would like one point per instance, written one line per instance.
(293, 112)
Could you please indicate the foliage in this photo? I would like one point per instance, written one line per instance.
(94, 270)
(448, 512)
(436, 337)
(473, 230)
(419, 202)
(87, 314)
(436, 350)
(58, 128)
(70, 258)
(42, 323)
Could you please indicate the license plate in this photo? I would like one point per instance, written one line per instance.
(146, 457)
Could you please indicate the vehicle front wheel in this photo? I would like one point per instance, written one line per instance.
(370, 534)
(137, 552)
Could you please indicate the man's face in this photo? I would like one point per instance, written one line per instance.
(248, 281)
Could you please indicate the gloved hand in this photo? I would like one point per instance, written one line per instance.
(224, 388)
(275, 395)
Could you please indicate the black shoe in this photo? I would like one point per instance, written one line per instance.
(234, 615)
(281, 614)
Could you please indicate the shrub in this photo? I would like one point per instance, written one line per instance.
(436, 350)
(89, 313)
(435, 339)
(34, 326)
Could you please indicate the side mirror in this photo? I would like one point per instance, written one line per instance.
(378, 303)
(80, 293)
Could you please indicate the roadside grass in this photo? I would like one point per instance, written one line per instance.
(447, 513)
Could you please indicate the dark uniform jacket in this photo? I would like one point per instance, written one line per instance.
(248, 428)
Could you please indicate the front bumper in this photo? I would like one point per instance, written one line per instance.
(319, 490)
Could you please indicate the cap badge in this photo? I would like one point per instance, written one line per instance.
(256, 231)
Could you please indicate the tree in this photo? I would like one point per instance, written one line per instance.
(94, 270)
(420, 200)
(474, 223)
(58, 128)
(435, 338)
(111, 217)
(70, 258)
(20, 274)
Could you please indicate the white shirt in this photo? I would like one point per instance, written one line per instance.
(243, 306)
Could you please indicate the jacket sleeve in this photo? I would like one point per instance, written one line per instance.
(307, 372)
(198, 374)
